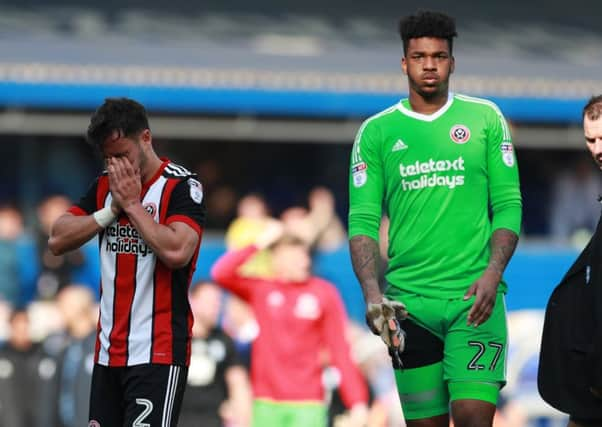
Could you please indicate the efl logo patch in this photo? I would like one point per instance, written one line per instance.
(196, 190)
(358, 172)
(507, 154)
(359, 167)
(460, 134)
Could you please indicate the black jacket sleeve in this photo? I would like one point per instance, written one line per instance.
(571, 349)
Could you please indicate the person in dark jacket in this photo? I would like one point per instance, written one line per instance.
(570, 366)
(218, 392)
(68, 358)
(77, 362)
(20, 368)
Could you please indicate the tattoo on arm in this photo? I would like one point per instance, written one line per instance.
(503, 244)
(365, 257)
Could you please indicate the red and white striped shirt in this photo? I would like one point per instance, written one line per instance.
(145, 316)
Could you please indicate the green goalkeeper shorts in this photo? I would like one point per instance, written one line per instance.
(444, 358)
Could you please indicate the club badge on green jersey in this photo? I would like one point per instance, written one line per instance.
(460, 134)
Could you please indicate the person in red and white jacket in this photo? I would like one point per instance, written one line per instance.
(299, 315)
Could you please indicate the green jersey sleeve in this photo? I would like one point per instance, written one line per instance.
(504, 189)
(366, 183)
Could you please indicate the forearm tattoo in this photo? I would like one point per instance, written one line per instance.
(365, 258)
(503, 244)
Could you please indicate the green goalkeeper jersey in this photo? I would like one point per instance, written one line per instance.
(446, 181)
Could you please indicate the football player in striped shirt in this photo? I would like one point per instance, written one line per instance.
(148, 214)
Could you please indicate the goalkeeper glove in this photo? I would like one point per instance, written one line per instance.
(384, 319)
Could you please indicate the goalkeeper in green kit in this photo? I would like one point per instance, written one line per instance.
(443, 168)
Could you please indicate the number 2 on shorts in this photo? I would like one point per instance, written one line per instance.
(148, 408)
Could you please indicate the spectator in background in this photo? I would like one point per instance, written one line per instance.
(574, 206)
(52, 347)
(252, 214)
(375, 364)
(11, 236)
(78, 306)
(331, 234)
(220, 196)
(222, 205)
(239, 323)
(218, 392)
(298, 315)
(319, 226)
(327, 236)
(19, 374)
(68, 358)
(55, 271)
(297, 222)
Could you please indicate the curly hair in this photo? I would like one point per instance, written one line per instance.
(427, 23)
(122, 115)
(593, 108)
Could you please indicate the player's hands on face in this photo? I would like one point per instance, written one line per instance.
(485, 290)
(124, 182)
(115, 207)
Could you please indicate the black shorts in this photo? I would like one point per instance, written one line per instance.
(143, 395)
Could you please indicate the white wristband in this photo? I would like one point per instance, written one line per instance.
(104, 216)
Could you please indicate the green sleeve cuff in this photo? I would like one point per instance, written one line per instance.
(364, 222)
(508, 216)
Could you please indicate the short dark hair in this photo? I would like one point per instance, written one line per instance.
(122, 115)
(426, 23)
(593, 108)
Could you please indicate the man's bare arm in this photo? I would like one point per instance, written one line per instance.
(365, 257)
(174, 244)
(503, 243)
(71, 231)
